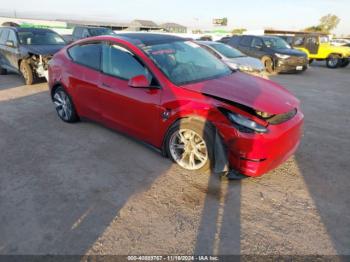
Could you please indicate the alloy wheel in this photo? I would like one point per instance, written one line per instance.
(333, 61)
(188, 149)
(63, 105)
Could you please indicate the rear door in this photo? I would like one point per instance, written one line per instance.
(245, 45)
(85, 80)
(257, 48)
(135, 111)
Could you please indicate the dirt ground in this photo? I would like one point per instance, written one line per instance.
(84, 189)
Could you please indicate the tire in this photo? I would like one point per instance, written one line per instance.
(3, 71)
(64, 106)
(26, 72)
(310, 61)
(194, 133)
(333, 61)
(268, 64)
(344, 62)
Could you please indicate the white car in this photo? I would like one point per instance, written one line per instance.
(234, 58)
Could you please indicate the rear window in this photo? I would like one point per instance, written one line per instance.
(246, 40)
(234, 41)
(88, 55)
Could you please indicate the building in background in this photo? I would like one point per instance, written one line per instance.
(112, 25)
(143, 25)
(174, 28)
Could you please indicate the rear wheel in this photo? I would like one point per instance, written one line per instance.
(190, 145)
(64, 106)
(344, 62)
(333, 61)
(310, 61)
(26, 72)
(268, 63)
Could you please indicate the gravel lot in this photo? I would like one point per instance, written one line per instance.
(84, 189)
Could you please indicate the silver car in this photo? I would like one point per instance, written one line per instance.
(234, 58)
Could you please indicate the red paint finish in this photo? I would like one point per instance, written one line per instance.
(140, 111)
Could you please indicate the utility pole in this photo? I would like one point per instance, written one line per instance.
(15, 13)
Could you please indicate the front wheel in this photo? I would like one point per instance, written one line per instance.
(333, 61)
(26, 72)
(268, 63)
(190, 145)
(64, 106)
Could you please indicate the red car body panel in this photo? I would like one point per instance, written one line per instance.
(138, 111)
(255, 92)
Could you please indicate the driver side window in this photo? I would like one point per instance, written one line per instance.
(120, 62)
(12, 37)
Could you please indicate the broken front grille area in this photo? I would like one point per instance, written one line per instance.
(281, 118)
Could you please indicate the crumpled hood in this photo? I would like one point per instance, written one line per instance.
(43, 49)
(254, 92)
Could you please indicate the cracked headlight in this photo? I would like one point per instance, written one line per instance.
(244, 124)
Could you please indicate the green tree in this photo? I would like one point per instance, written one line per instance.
(327, 24)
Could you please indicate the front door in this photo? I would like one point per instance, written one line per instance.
(133, 110)
(312, 44)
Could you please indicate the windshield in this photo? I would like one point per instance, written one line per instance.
(186, 62)
(275, 42)
(226, 50)
(40, 38)
(100, 31)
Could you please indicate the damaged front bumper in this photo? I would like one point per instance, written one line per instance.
(39, 64)
(252, 154)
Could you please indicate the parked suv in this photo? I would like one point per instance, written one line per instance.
(318, 47)
(275, 53)
(174, 95)
(81, 32)
(27, 51)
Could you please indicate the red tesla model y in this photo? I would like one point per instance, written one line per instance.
(170, 93)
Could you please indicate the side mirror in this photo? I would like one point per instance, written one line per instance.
(10, 44)
(139, 81)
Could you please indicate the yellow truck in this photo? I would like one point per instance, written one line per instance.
(318, 47)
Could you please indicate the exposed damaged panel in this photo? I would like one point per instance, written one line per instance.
(281, 118)
(39, 64)
(269, 118)
(237, 105)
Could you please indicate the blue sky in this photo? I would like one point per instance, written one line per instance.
(251, 14)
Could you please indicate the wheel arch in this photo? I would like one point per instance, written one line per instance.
(56, 85)
(338, 54)
(187, 118)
